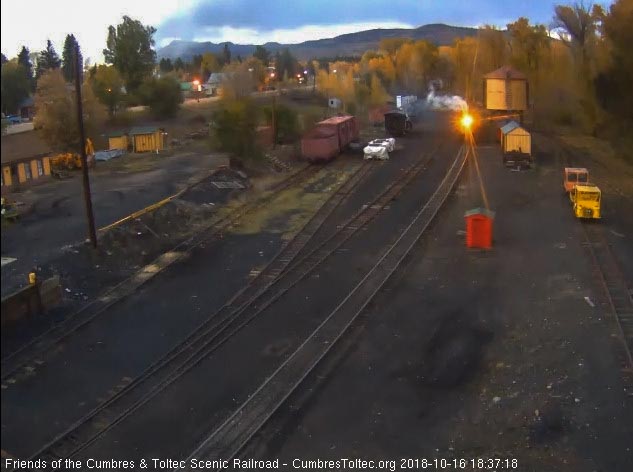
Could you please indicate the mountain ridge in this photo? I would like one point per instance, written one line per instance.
(349, 44)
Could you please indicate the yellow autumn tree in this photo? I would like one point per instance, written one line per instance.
(378, 95)
(464, 53)
(209, 65)
(383, 67)
(391, 46)
(415, 62)
(56, 112)
(493, 48)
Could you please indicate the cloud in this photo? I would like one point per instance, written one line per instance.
(88, 21)
(283, 15)
(284, 36)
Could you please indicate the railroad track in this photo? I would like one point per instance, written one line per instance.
(608, 275)
(616, 292)
(230, 437)
(20, 359)
(275, 280)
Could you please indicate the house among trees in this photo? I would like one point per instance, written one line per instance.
(26, 109)
(214, 83)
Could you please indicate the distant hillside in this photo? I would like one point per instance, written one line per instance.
(353, 44)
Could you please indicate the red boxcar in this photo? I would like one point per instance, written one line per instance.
(329, 138)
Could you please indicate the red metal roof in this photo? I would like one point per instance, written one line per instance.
(335, 120)
(505, 72)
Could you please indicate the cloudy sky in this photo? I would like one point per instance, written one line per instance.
(244, 21)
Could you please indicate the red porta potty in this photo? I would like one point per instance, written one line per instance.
(479, 228)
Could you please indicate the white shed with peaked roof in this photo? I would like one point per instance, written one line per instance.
(515, 138)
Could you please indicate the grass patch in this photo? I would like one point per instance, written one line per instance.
(292, 208)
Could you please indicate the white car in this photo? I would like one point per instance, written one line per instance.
(376, 151)
(389, 143)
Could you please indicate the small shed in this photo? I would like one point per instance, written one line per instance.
(334, 103)
(479, 228)
(147, 139)
(506, 89)
(118, 140)
(27, 109)
(515, 138)
(25, 159)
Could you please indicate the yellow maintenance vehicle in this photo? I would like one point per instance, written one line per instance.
(70, 161)
(586, 199)
(573, 176)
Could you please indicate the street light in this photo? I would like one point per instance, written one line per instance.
(197, 88)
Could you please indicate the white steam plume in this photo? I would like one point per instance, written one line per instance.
(445, 102)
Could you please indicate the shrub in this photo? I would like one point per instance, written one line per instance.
(286, 123)
(162, 95)
(234, 128)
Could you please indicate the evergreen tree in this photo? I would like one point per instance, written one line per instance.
(4, 59)
(226, 54)
(15, 87)
(286, 63)
(165, 65)
(68, 57)
(24, 60)
(48, 59)
(262, 54)
(196, 61)
(179, 64)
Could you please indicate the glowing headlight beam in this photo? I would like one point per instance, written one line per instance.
(466, 121)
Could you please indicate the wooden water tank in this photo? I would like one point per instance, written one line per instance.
(506, 89)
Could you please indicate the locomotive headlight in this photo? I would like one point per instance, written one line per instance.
(466, 121)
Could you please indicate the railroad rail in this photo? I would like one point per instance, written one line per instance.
(47, 341)
(230, 437)
(608, 275)
(276, 279)
(617, 295)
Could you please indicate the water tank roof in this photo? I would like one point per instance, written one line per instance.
(505, 129)
(505, 72)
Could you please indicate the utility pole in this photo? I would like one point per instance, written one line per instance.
(82, 149)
